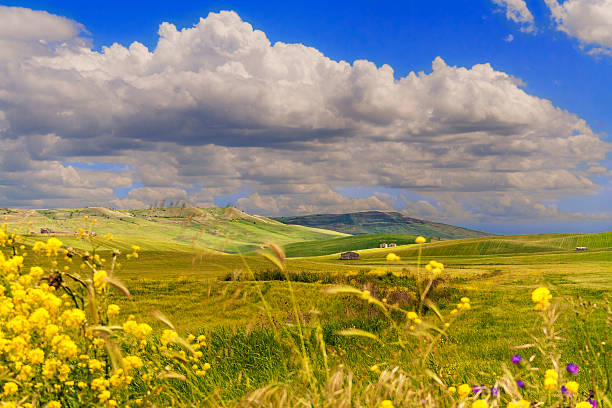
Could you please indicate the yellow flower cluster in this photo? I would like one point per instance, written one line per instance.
(138, 330)
(435, 267)
(464, 390)
(391, 257)
(550, 380)
(464, 304)
(134, 254)
(414, 318)
(572, 386)
(54, 354)
(100, 278)
(420, 240)
(378, 272)
(168, 336)
(112, 311)
(40, 334)
(386, 404)
(541, 297)
(480, 404)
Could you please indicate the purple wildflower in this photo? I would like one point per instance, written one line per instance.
(565, 392)
(494, 391)
(516, 359)
(477, 388)
(572, 368)
(592, 402)
(520, 383)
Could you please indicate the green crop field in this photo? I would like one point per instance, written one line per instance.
(241, 302)
(350, 243)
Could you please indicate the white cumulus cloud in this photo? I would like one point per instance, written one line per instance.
(590, 21)
(216, 108)
(517, 11)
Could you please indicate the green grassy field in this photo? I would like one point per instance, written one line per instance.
(350, 243)
(206, 291)
(221, 229)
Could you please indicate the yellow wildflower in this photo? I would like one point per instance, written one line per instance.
(99, 384)
(572, 386)
(392, 257)
(100, 279)
(464, 390)
(132, 362)
(168, 336)
(551, 374)
(550, 383)
(541, 297)
(36, 356)
(36, 272)
(49, 368)
(386, 404)
(64, 346)
(420, 240)
(435, 267)
(98, 342)
(464, 304)
(104, 396)
(10, 388)
(73, 317)
(53, 244)
(95, 364)
(112, 310)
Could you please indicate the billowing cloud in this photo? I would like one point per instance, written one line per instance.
(217, 109)
(517, 11)
(317, 198)
(590, 21)
(497, 208)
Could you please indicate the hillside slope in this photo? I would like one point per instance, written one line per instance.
(379, 222)
(538, 246)
(350, 243)
(223, 229)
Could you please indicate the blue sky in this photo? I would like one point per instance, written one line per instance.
(547, 58)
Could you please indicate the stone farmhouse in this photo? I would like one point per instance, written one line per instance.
(349, 255)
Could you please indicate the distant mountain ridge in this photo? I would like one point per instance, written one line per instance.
(381, 222)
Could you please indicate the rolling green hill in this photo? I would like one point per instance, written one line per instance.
(537, 244)
(350, 243)
(379, 222)
(174, 228)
